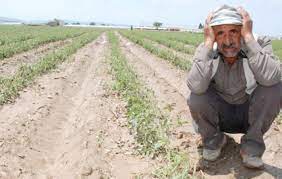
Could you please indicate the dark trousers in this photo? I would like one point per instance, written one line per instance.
(213, 116)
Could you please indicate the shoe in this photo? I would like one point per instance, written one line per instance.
(253, 162)
(212, 155)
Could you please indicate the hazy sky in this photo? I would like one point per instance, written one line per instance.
(189, 13)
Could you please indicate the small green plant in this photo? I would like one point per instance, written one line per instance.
(180, 121)
(177, 167)
(100, 138)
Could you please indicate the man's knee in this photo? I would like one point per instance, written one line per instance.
(265, 105)
(269, 95)
(197, 102)
(268, 90)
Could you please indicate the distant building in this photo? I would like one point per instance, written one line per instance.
(174, 29)
(195, 30)
(159, 29)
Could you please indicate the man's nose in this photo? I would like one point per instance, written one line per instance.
(227, 40)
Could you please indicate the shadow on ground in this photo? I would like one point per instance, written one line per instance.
(230, 164)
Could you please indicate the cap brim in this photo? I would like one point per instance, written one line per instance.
(227, 22)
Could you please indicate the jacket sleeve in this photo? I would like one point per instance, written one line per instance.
(262, 61)
(200, 75)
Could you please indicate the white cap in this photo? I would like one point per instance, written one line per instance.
(226, 15)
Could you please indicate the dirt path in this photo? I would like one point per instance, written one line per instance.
(9, 66)
(168, 85)
(70, 125)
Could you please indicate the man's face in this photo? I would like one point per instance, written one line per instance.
(228, 38)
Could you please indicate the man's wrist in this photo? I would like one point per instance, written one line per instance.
(249, 37)
(209, 44)
(203, 53)
(253, 48)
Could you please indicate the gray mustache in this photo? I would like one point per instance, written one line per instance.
(232, 45)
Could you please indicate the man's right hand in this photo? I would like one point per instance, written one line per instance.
(209, 33)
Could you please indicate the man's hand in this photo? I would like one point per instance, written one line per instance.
(208, 33)
(247, 27)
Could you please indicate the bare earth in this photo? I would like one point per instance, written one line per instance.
(70, 124)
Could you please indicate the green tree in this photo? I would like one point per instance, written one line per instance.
(157, 25)
(200, 26)
(56, 22)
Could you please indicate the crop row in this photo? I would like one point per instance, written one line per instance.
(177, 61)
(17, 33)
(189, 38)
(35, 38)
(149, 125)
(164, 40)
(9, 87)
(142, 114)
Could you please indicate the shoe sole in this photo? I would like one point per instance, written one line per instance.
(253, 167)
(249, 165)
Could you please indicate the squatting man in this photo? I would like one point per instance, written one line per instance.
(235, 84)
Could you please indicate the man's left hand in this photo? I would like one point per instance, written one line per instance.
(247, 26)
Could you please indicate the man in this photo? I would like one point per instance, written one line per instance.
(235, 84)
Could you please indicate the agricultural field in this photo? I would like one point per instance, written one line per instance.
(277, 48)
(14, 40)
(97, 103)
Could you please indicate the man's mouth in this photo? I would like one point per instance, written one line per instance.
(230, 49)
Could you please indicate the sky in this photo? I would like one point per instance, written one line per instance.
(266, 15)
